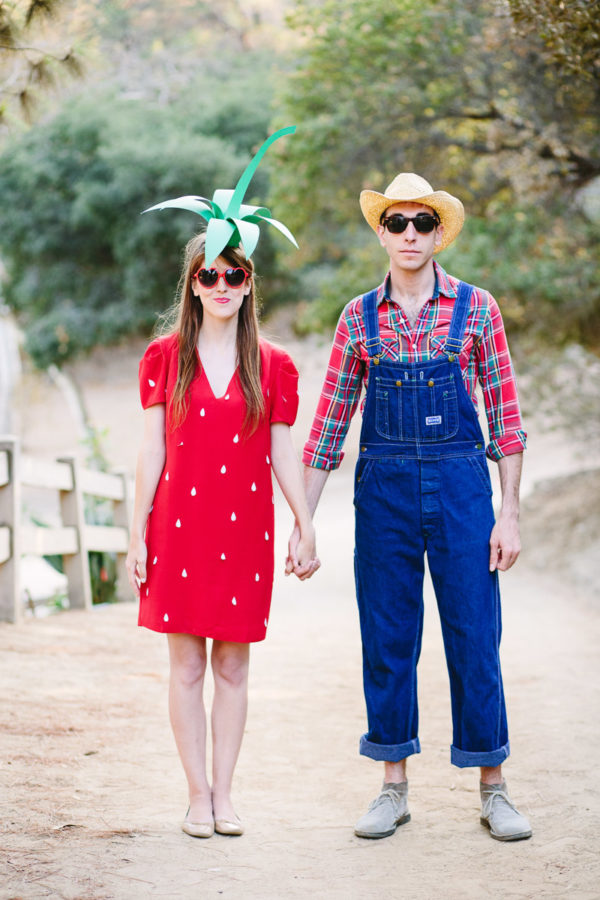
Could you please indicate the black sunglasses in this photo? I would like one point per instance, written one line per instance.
(233, 277)
(423, 222)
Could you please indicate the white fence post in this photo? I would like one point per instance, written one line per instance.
(122, 512)
(10, 530)
(76, 565)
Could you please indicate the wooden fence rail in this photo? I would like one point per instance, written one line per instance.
(73, 539)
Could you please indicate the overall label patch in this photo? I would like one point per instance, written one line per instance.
(433, 420)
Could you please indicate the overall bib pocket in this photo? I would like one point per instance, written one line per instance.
(416, 407)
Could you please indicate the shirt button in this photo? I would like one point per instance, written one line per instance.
(431, 382)
(479, 446)
(398, 384)
(375, 361)
(363, 449)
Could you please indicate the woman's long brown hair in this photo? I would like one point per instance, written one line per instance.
(185, 319)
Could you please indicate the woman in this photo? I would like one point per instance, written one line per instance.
(219, 402)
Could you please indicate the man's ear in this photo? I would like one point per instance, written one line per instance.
(439, 233)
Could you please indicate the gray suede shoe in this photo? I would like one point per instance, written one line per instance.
(386, 812)
(500, 815)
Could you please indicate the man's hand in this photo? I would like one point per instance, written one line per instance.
(302, 560)
(505, 543)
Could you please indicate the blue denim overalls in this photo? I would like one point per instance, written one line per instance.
(422, 485)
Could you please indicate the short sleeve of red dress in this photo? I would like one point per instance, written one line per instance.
(153, 375)
(283, 388)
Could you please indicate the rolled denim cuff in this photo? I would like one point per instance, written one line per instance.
(490, 758)
(388, 752)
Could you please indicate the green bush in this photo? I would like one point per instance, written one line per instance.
(83, 266)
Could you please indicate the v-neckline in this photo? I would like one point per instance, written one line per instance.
(210, 387)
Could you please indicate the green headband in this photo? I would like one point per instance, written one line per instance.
(231, 222)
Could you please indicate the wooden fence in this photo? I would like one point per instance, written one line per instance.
(73, 539)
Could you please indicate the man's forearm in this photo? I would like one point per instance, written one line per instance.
(314, 482)
(510, 479)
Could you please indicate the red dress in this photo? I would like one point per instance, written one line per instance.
(210, 529)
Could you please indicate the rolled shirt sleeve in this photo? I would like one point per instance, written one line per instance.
(338, 401)
(498, 382)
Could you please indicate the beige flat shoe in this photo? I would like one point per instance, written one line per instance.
(198, 829)
(223, 826)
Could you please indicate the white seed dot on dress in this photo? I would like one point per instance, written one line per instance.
(184, 574)
(265, 623)
(151, 383)
(223, 470)
(180, 444)
(202, 413)
(236, 438)
(233, 517)
(227, 396)
(223, 556)
(193, 492)
(266, 535)
(253, 488)
(167, 477)
(155, 560)
(234, 601)
(268, 461)
(166, 617)
(257, 577)
(147, 591)
(178, 523)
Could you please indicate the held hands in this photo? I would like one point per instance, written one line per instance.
(302, 559)
(505, 543)
(135, 564)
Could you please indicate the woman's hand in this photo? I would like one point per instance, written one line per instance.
(135, 564)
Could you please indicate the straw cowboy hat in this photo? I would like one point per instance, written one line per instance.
(408, 187)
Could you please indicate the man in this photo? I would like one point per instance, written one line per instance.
(420, 342)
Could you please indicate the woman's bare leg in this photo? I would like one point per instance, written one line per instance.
(187, 655)
(230, 663)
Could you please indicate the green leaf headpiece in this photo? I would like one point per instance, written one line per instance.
(229, 221)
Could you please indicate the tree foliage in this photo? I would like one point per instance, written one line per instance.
(446, 89)
(28, 61)
(569, 30)
(83, 266)
(480, 104)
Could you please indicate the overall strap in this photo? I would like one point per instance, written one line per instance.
(371, 320)
(459, 318)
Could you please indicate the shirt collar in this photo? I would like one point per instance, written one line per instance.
(442, 286)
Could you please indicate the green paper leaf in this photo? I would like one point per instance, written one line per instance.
(241, 187)
(219, 234)
(221, 199)
(282, 228)
(198, 205)
(249, 234)
(247, 211)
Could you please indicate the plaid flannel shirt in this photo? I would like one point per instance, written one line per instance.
(484, 357)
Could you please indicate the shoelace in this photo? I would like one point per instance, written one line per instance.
(489, 802)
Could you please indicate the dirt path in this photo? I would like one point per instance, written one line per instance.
(92, 793)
